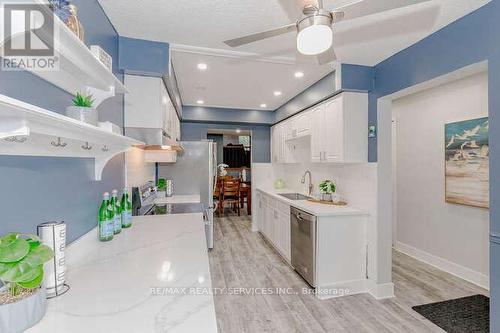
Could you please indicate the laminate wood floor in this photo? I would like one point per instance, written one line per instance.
(243, 259)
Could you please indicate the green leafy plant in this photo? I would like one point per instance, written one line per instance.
(21, 261)
(84, 101)
(162, 184)
(327, 187)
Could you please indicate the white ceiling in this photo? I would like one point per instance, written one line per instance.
(242, 82)
(233, 81)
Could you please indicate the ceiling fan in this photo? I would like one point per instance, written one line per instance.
(315, 29)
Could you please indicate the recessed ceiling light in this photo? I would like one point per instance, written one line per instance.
(200, 101)
(263, 105)
(238, 131)
(277, 93)
(202, 66)
(298, 75)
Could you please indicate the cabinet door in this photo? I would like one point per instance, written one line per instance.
(334, 131)
(278, 144)
(165, 105)
(303, 123)
(276, 230)
(291, 128)
(317, 134)
(286, 236)
(260, 214)
(268, 226)
(143, 103)
(274, 144)
(284, 155)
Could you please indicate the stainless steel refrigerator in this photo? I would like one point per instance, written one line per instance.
(195, 173)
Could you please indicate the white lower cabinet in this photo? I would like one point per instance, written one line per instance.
(274, 223)
(341, 247)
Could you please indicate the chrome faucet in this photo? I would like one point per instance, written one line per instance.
(303, 181)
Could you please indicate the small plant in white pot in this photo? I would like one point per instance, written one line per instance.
(82, 109)
(327, 188)
(22, 299)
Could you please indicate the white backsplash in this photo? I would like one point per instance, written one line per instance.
(138, 171)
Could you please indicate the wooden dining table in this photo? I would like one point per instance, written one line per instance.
(246, 191)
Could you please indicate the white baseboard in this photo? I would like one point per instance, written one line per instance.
(462, 272)
(345, 288)
(380, 291)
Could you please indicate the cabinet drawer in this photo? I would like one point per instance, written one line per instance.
(283, 208)
(271, 202)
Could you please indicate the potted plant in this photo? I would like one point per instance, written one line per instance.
(162, 187)
(22, 300)
(327, 188)
(82, 109)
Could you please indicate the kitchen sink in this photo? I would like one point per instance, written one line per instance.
(295, 196)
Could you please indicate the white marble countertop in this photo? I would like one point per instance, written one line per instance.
(113, 289)
(314, 208)
(195, 198)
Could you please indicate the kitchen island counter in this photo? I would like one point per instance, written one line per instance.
(142, 281)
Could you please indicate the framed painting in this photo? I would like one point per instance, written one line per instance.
(467, 162)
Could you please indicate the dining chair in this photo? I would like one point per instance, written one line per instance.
(230, 195)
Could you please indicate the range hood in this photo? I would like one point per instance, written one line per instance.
(155, 139)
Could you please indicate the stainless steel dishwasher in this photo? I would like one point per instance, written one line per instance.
(303, 236)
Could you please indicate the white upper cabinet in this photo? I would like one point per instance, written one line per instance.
(303, 123)
(148, 105)
(145, 103)
(338, 130)
(317, 133)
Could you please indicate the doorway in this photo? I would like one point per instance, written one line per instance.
(439, 178)
(414, 216)
(234, 161)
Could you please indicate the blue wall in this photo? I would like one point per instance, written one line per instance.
(37, 189)
(223, 115)
(312, 95)
(472, 39)
(357, 77)
(260, 136)
(143, 57)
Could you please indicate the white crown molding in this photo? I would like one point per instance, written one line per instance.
(235, 54)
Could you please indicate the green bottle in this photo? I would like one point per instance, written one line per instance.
(105, 220)
(126, 210)
(115, 206)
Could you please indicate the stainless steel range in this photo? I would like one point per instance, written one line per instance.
(144, 203)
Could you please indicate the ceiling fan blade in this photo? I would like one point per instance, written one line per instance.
(261, 35)
(369, 7)
(326, 57)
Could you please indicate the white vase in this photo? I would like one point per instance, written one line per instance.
(326, 197)
(87, 115)
(19, 316)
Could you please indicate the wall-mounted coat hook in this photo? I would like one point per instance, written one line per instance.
(16, 139)
(59, 143)
(86, 146)
(105, 149)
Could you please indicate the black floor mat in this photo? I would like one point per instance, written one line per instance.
(462, 315)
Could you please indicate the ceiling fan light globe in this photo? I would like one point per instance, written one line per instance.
(315, 39)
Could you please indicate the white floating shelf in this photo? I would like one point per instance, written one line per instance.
(28, 130)
(79, 70)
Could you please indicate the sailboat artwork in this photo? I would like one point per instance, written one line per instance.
(467, 162)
